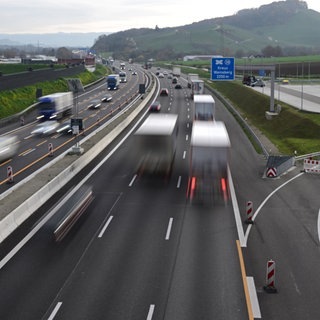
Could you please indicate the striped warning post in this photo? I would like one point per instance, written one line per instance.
(50, 149)
(9, 174)
(249, 211)
(270, 278)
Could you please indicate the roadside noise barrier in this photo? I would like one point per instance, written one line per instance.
(270, 278)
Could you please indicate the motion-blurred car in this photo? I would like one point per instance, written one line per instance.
(161, 75)
(106, 98)
(45, 128)
(155, 106)
(8, 146)
(164, 92)
(134, 73)
(258, 83)
(94, 104)
(178, 86)
(65, 127)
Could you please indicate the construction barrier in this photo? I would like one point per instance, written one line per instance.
(311, 166)
(249, 211)
(270, 278)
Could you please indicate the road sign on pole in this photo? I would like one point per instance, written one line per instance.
(222, 69)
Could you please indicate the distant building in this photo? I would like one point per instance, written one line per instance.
(200, 57)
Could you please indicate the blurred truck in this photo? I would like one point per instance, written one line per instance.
(123, 76)
(9, 145)
(176, 71)
(190, 77)
(197, 87)
(156, 141)
(113, 81)
(204, 107)
(55, 106)
(208, 162)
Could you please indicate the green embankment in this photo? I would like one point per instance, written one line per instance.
(292, 130)
(17, 100)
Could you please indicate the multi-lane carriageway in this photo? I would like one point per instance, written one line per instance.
(142, 251)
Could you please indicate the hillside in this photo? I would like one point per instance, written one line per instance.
(288, 24)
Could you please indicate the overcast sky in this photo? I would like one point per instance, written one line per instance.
(51, 16)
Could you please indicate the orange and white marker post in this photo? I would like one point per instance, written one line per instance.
(9, 174)
(50, 149)
(249, 211)
(270, 278)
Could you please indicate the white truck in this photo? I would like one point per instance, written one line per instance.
(55, 106)
(156, 141)
(176, 71)
(123, 76)
(191, 77)
(208, 163)
(203, 107)
(197, 87)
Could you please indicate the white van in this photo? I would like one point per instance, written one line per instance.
(8, 146)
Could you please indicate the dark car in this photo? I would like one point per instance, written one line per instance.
(107, 98)
(178, 86)
(164, 92)
(155, 107)
(248, 80)
(174, 80)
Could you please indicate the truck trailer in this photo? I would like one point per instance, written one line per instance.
(176, 71)
(191, 77)
(208, 163)
(156, 141)
(55, 106)
(204, 107)
(113, 81)
(197, 87)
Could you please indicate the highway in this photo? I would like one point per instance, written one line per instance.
(142, 251)
(34, 150)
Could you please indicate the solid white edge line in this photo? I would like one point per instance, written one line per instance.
(319, 225)
(150, 313)
(169, 229)
(265, 200)
(55, 311)
(236, 210)
(253, 298)
(105, 227)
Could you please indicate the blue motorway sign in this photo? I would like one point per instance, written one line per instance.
(222, 69)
